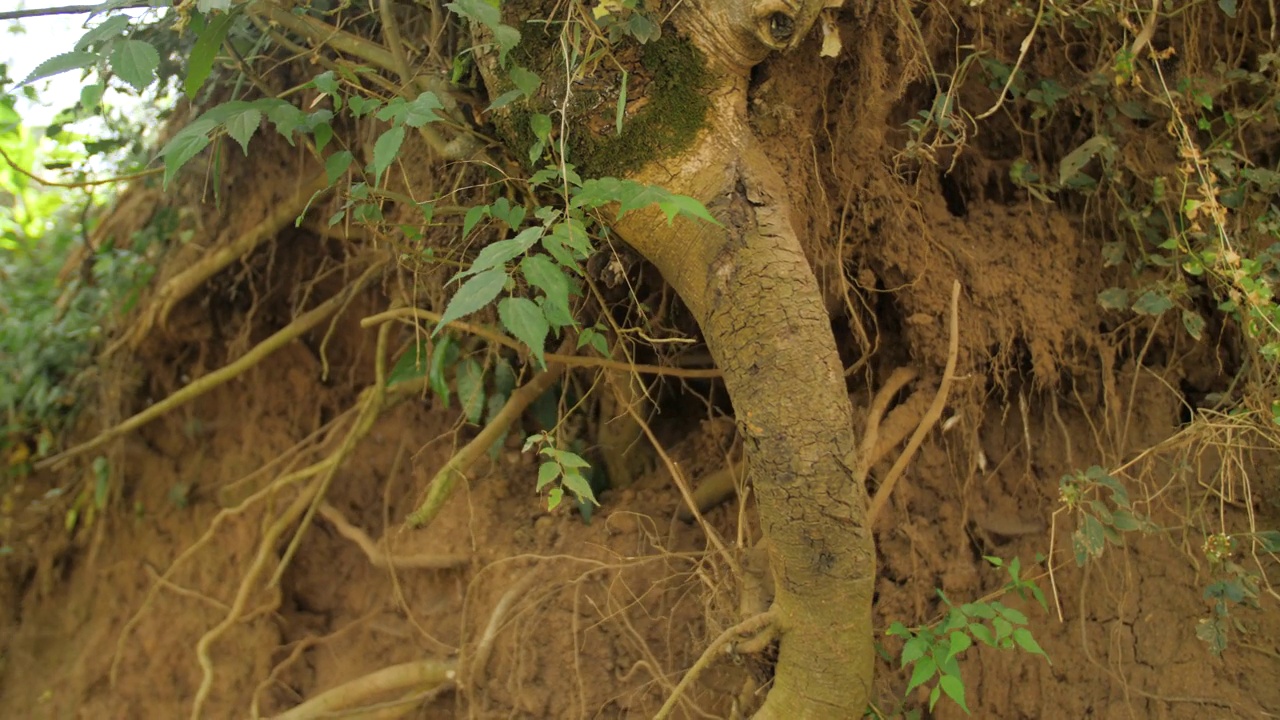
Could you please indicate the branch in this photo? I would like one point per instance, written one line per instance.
(930, 417)
(76, 184)
(750, 625)
(68, 10)
(382, 559)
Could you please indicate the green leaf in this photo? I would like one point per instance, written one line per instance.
(443, 357)
(554, 497)
(474, 294)
(1152, 302)
(102, 482)
(675, 205)
(1228, 7)
(526, 81)
(1075, 160)
(203, 53)
(577, 483)
(621, 108)
(982, 634)
(526, 321)
(1002, 628)
(540, 123)
(473, 216)
(954, 688)
(913, 650)
(59, 64)
(1114, 298)
(385, 150)
(322, 133)
(135, 62)
(336, 165)
(1194, 324)
(547, 473)
(1023, 637)
(595, 339)
(497, 254)
(108, 29)
(186, 144)
(1014, 616)
(1270, 540)
(411, 365)
(471, 390)
(547, 276)
(91, 96)
(326, 83)
(242, 125)
(924, 670)
(505, 99)
(959, 643)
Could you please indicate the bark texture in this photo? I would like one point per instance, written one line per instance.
(757, 301)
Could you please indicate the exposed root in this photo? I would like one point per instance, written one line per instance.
(305, 323)
(416, 676)
(484, 648)
(557, 358)
(188, 281)
(749, 626)
(443, 482)
(377, 554)
(930, 417)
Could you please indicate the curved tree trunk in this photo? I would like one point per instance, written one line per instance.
(758, 304)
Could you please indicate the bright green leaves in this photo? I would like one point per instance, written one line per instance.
(934, 651)
(540, 124)
(526, 84)
(415, 114)
(242, 124)
(562, 467)
(631, 196)
(1098, 522)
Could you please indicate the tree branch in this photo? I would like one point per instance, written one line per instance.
(67, 10)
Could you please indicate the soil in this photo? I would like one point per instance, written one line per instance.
(549, 616)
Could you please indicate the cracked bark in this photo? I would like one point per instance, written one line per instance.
(758, 304)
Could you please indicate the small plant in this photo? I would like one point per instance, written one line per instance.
(1098, 522)
(934, 651)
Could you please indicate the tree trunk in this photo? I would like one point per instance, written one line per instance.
(757, 301)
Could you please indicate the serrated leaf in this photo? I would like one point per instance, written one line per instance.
(924, 670)
(243, 125)
(1024, 639)
(474, 294)
(674, 205)
(385, 150)
(913, 650)
(1002, 627)
(203, 53)
(595, 339)
(497, 254)
(186, 144)
(471, 390)
(336, 165)
(547, 276)
(526, 81)
(110, 28)
(1270, 540)
(554, 497)
(959, 643)
(982, 634)
(547, 474)
(135, 62)
(954, 688)
(540, 124)
(525, 320)
(1014, 616)
(59, 64)
(578, 484)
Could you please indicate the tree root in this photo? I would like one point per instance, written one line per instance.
(443, 482)
(930, 417)
(379, 557)
(180, 286)
(422, 674)
(306, 322)
(749, 626)
(558, 358)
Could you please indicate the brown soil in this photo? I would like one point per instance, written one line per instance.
(550, 617)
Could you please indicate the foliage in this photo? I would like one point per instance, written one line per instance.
(933, 651)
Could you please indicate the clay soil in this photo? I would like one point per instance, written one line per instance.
(547, 616)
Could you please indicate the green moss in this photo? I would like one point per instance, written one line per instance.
(675, 112)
